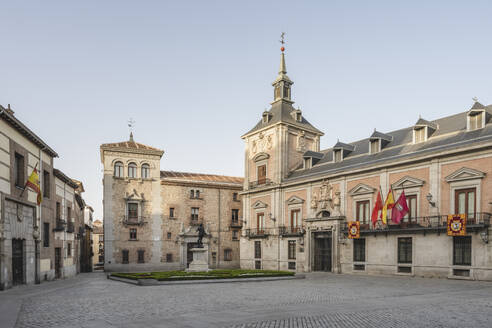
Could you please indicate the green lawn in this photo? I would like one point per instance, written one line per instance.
(213, 274)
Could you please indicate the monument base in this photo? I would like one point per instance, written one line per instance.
(200, 260)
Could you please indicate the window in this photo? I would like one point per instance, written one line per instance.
(69, 213)
(171, 212)
(46, 234)
(235, 235)
(362, 211)
(69, 249)
(465, 203)
(118, 169)
(462, 250)
(307, 163)
(337, 155)
(412, 208)
(46, 184)
(292, 265)
(359, 250)
(133, 234)
(286, 91)
(169, 257)
(58, 211)
(194, 213)
(192, 193)
(132, 170)
(235, 215)
(258, 265)
(374, 146)
(292, 250)
(257, 249)
(145, 171)
(132, 211)
(276, 95)
(124, 256)
(260, 222)
(169, 235)
(197, 193)
(405, 250)
(141, 256)
(19, 170)
(298, 117)
(295, 219)
(234, 196)
(227, 254)
(261, 174)
(476, 121)
(419, 134)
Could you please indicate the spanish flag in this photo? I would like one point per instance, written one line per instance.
(33, 183)
(388, 205)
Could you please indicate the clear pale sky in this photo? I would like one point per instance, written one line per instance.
(196, 75)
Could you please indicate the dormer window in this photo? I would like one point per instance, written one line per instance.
(337, 155)
(266, 117)
(476, 120)
(307, 163)
(419, 134)
(374, 146)
(298, 117)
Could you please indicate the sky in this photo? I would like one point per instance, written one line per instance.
(196, 75)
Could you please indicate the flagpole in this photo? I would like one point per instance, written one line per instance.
(25, 184)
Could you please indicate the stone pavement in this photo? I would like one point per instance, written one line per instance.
(320, 300)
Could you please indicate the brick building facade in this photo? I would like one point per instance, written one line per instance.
(298, 199)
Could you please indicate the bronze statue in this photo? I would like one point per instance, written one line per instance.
(201, 233)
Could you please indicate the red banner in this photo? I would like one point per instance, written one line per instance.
(354, 229)
(456, 224)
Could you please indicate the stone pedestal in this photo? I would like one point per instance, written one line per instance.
(200, 260)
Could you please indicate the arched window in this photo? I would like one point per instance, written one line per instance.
(145, 171)
(118, 169)
(192, 193)
(197, 194)
(132, 170)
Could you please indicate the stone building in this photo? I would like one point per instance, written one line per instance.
(33, 243)
(98, 245)
(151, 216)
(298, 198)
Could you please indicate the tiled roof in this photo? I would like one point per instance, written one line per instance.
(63, 177)
(129, 145)
(451, 134)
(200, 177)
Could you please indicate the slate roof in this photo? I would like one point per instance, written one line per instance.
(380, 135)
(9, 117)
(200, 177)
(451, 134)
(423, 122)
(281, 112)
(63, 177)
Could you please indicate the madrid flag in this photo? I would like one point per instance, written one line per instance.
(400, 209)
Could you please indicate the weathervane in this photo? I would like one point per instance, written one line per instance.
(131, 125)
(475, 99)
(282, 40)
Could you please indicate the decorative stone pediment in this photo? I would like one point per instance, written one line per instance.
(407, 182)
(261, 157)
(361, 189)
(465, 173)
(259, 204)
(134, 196)
(293, 200)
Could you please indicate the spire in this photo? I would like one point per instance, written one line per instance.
(282, 83)
(131, 137)
(283, 69)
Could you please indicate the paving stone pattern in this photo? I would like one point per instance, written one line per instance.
(320, 300)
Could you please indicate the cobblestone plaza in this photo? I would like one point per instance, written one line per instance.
(320, 300)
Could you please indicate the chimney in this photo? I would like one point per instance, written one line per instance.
(9, 110)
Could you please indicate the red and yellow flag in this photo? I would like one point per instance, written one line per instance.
(456, 224)
(388, 205)
(33, 183)
(353, 229)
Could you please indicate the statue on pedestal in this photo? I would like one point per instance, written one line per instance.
(201, 234)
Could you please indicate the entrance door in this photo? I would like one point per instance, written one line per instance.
(17, 261)
(189, 253)
(58, 259)
(322, 252)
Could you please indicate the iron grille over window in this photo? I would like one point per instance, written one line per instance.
(405, 250)
(360, 250)
(124, 255)
(46, 184)
(257, 249)
(46, 234)
(141, 257)
(19, 170)
(227, 254)
(292, 250)
(169, 257)
(462, 250)
(133, 234)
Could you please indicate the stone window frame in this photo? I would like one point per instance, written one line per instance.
(145, 167)
(125, 253)
(132, 165)
(121, 169)
(366, 253)
(133, 231)
(19, 172)
(472, 180)
(235, 234)
(139, 208)
(398, 249)
(46, 184)
(227, 254)
(141, 256)
(289, 245)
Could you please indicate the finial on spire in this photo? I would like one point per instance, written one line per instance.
(282, 41)
(131, 125)
(475, 99)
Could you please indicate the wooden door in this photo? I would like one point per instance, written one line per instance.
(261, 174)
(18, 261)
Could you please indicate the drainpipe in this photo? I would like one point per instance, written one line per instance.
(218, 242)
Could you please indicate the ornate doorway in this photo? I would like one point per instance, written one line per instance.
(322, 251)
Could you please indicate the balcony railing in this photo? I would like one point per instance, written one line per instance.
(259, 232)
(291, 231)
(133, 220)
(236, 223)
(70, 227)
(260, 183)
(477, 221)
(60, 225)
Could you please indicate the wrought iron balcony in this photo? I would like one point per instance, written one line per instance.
(291, 231)
(260, 183)
(60, 225)
(133, 220)
(259, 232)
(435, 223)
(236, 223)
(70, 227)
